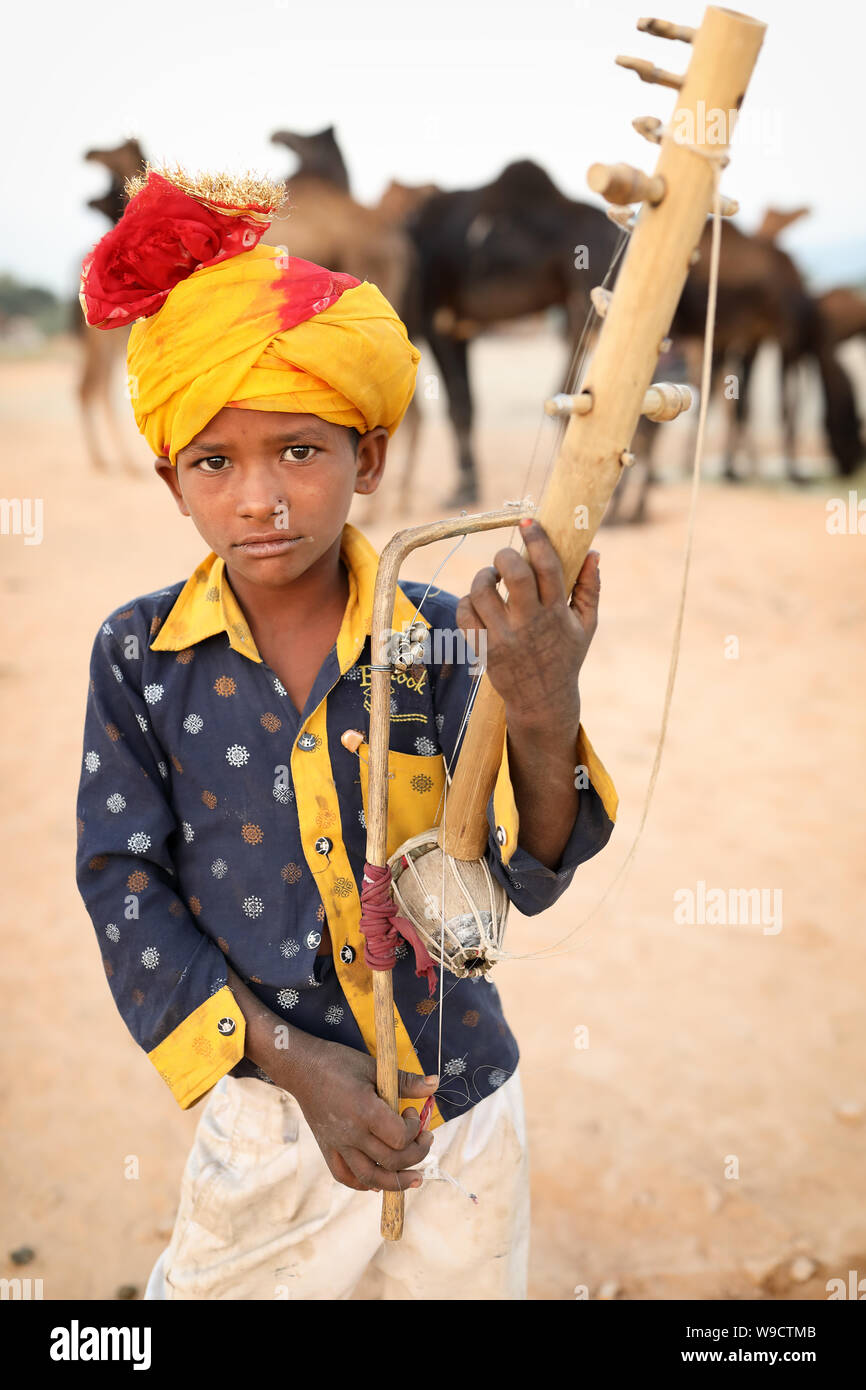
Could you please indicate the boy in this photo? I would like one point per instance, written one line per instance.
(221, 820)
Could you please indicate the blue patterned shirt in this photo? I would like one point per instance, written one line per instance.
(218, 825)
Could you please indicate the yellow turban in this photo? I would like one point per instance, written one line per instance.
(220, 338)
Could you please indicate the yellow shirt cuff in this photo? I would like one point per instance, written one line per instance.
(506, 819)
(198, 1052)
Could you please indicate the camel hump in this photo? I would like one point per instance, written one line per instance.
(520, 183)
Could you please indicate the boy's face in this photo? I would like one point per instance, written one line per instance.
(255, 473)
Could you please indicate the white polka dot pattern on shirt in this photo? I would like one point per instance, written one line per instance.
(334, 1014)
(287, 998)
(138, 842)
(188, 832)
(253, 906)
(219, 868)
(150, 957)
(289, 948)
(112, 932)
(91, 762)
(153, 693)
(116, 803)
(142, 723)
(193, 723)
(496, 1077)
(237, 755)
(455, 1067)
(283, 794)
(118, 674)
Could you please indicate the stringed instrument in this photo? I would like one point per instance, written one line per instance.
(675, 201)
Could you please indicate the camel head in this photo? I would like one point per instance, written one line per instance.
(775, 221)
(122, 163)
(319, 154)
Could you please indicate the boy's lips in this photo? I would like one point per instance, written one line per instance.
(267, 541)
(270, 543)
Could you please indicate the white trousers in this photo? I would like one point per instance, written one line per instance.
(261, 1217)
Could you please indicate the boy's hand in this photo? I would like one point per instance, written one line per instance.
(365, 1144)
(537, 644)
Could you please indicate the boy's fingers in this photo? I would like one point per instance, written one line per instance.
(413, 1086)
(545, 562)
(343, 1173)
(393, 1129)
(395, 1159)
(375, 1178)
(587, 586)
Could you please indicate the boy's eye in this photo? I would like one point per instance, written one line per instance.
(300, 453)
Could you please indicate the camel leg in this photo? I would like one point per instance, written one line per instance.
(117, 351)
(736, 414)
(412, 426)
(89, 392)
(642, 448)
(452, 357)
(739, 432)
(791, 381)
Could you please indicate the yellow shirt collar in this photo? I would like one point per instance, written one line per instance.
(207, 605)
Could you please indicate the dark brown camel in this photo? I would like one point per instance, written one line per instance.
(513, 247)
(104, 350)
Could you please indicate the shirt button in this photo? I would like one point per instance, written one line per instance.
(314, 938)
(501, 834)
(226, 1026)
(347, 955)
(324, 845)
(307, 742)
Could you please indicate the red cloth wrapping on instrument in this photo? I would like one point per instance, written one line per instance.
(382, 925)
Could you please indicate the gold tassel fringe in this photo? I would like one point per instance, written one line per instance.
(240, 193)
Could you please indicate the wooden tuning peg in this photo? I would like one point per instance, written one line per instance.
(728, 207)
(665, 400)
(564, 404)
(648, 72)
(622, 183)
(650, 127)
(600, 299)
(663, 29)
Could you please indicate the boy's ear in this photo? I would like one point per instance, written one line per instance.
(163, 466)
(370, 457)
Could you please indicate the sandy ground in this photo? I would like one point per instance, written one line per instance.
(710, 1141)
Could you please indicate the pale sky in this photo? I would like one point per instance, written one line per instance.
(447, 91)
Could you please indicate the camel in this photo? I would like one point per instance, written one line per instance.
(513, 247)
(104, 350)
(843, 313)
(763, 298)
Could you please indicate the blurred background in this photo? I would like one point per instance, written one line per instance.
(695, 1092)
